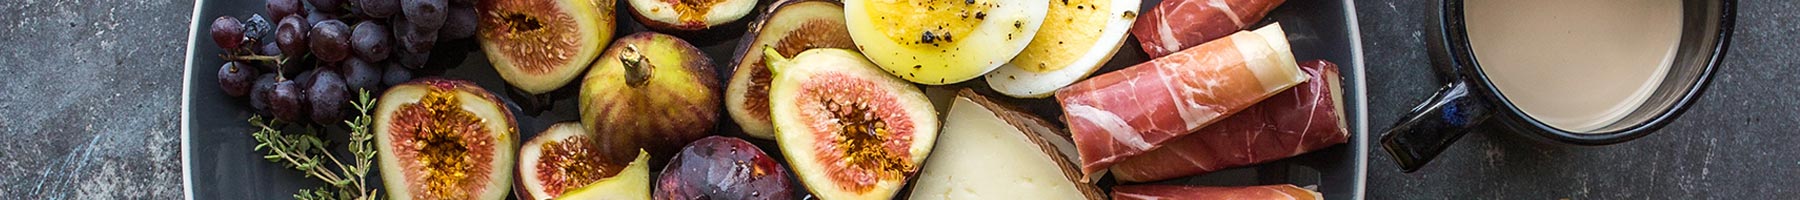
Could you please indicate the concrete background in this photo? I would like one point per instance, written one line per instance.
(89, 98)
(91, 89)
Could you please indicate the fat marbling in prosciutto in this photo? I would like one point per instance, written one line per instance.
(1174, 25)
(1123, 113)
(1300, 120)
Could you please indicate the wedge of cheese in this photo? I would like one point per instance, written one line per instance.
(991, 151)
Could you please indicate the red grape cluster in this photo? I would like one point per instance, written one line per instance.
(305, 64)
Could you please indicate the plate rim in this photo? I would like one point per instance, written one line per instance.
(1360, 180)
(187, 76)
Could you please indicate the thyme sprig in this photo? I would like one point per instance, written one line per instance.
(307, 153)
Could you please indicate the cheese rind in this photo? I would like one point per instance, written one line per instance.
(983, 155)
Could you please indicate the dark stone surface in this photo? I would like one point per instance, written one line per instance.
(92, 92)
(90, 98)
(1738, 142)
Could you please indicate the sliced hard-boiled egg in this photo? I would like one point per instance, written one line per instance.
(1077, 38)
(939, 42)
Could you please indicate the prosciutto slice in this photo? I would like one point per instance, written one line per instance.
(1300, 120)
(1174, 25)
(1267, 192)
(1126, 112)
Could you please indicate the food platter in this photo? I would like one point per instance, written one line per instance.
(219, 163)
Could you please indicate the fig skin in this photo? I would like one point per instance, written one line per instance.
(723, 168)
(905, 125)
(674, 102)
(791, 27)
(502, 133)
(533, 65)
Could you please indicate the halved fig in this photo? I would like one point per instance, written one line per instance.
(689, 15)
(541, 45)
(633, 183)
(559, 160)
(649, 91)
(850, 130)
(444, 139)
(723, 168)
(790, 28)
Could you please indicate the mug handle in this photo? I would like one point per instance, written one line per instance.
(1434, 125)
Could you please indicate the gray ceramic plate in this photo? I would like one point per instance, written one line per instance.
(218, 161)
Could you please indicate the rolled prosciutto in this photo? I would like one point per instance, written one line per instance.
(1174, 25)
(1299, 120)
(1126, 112)
(1171, 192)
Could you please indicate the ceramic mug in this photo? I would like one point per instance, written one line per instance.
(1469, 98)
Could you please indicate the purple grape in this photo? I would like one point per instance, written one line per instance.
(327, 96)
(395, 75)
(328, 6)
(283, 8)
(427, 15)
(460, 24)
(291, 36)
(259, 93)
(462, 3)
(412, 60)
(269, 49)
(287, 101)
(378, 8)
(361, 75)
(371, 41)
(412, 38)
(315, 17)
(330, 40)
(305, 79)
(236, 78)
(227, 32)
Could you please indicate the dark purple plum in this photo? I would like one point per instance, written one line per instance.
(227, 32)
(360, 75)
(719, 167)
(236, 78)
(327, 95)
(330, 40)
